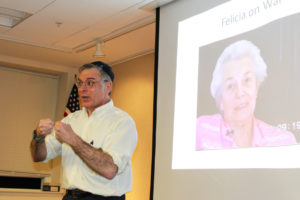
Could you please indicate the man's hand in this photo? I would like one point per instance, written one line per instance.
(101, 162)
(38, 149)
(64, 132)
(44, 127)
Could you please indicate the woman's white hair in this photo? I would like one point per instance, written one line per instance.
(235, 51)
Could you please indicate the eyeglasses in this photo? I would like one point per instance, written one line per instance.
(88, 83)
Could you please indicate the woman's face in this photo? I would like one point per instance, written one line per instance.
(239, 90)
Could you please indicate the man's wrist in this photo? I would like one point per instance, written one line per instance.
(36, 138)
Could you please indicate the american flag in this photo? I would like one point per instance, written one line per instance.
(73, 101)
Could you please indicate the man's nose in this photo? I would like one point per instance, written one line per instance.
(82, 88)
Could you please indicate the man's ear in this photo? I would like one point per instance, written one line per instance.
(108, 88)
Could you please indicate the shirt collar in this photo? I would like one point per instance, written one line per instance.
(100, 109)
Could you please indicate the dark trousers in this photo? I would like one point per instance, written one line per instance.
(90, 196)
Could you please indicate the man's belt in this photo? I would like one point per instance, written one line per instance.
(77, 193)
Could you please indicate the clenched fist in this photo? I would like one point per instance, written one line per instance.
(64, 132)
(44, 127)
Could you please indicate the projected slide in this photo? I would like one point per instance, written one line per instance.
(238, 75)
(237, 79)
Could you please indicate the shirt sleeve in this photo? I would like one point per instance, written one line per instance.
(208, 132)
(121, 143)
(53, 147)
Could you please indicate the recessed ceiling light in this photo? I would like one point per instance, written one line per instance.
(10, 17)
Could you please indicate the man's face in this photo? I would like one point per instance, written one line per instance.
(96, 95)
(239, 90)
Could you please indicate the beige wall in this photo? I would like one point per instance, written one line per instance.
(66, 80)
(133, 92)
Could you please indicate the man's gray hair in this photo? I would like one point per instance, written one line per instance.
(104, 75)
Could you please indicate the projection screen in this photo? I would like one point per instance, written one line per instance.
(193, 34)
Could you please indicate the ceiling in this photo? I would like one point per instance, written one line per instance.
(65, 32)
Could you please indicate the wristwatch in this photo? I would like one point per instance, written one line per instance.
(36, 138)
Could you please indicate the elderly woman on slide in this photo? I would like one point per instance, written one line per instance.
(238, 74)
